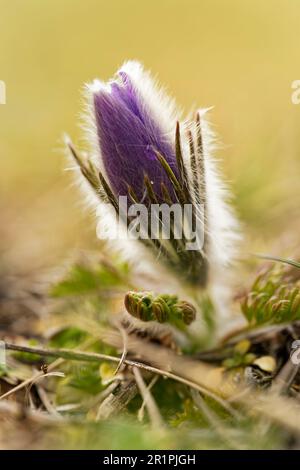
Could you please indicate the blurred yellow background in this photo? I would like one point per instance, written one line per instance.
(240, 56)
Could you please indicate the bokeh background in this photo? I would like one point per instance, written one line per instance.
(239, 56)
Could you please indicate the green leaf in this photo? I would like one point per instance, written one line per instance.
(68, 338)
(272, 300)
(85, 279)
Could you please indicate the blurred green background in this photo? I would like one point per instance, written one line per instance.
(239, 56)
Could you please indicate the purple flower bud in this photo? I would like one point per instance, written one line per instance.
(143, 154)
(130, 134)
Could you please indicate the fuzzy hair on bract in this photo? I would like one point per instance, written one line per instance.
(221, 227)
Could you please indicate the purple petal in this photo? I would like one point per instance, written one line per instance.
(128, 138)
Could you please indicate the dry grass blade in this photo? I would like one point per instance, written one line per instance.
(41, 377)
(125, 349)
(149, 387)
(28, 382)
(154, 414)
(47, 402)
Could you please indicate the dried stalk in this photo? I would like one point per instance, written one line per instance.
(116, 401)
(154, 414)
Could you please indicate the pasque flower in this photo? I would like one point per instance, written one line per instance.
(130, 135)
(142, 151)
